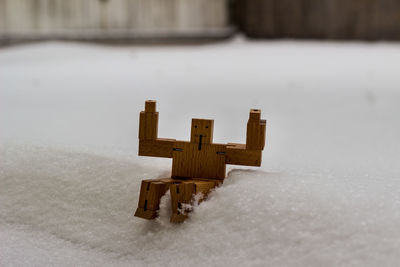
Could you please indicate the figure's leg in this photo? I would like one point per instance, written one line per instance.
(181, 198)
(204, 186)
(185, 193)
(151, 192)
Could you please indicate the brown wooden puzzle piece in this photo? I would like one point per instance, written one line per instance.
(198, 166)
(148, 122)
(192, 160)
(151, 192)
(182, 196)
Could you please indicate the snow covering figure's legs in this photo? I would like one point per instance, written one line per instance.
(151, 192)
(186, 193)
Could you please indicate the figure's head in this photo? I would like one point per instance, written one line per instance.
(202, 131)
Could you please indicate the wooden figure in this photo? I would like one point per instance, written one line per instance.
(197, 166)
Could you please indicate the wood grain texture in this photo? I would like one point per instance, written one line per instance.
(203, 128)
(204, 187)
(181, 198)
(151, 192)
(237, 154)
(184, 193)
(255, 135)
(150, 106)
(188, 161)
(160, 147)
(148, 125)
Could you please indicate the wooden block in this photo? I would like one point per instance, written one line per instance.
(150, 106)
(156, 148)
(255, 137)
(204, 187)
(146, 214)
(202, 129)
(175, 190)
(263, 131)
(151, 192)
(148, 125)
(237, 154)
(217, 182)
(190, 162)
(157, 190)
(255, 115)
(143, 193)
(181, 192)
(181, 195)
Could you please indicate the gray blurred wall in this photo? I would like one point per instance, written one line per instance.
(112, 19)
(320, 19)
(193, 19)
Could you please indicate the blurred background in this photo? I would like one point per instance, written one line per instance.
(145, 20)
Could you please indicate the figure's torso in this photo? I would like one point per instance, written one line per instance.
(191, 161)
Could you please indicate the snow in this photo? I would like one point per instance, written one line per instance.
(328, 192)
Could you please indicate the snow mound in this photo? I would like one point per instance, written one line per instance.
(255, 217)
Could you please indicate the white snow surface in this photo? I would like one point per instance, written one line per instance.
(327, 194)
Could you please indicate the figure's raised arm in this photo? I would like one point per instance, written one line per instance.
(249, 154)
(255, 137)
(149, 143)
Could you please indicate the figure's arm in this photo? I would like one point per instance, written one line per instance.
(149, 144)
(249, 154)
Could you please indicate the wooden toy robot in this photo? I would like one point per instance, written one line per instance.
(197, 166)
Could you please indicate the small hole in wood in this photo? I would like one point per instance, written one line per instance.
(145, 205)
